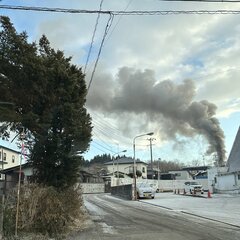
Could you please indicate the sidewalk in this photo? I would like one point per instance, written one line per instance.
(221, 207)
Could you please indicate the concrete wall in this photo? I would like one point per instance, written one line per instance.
(162, 185)
(93, 187)
(181, 175)
(123, 191)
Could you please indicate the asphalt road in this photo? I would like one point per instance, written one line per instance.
(114, 218)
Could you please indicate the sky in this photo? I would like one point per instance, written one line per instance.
(174, 75)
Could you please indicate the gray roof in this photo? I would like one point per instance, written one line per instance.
(124, 161)
(10, 149)
(234, 158)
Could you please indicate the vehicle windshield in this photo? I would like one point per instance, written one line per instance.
(143, 185)
(194, 183)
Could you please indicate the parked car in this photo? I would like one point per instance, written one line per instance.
(155, 187)
(193, 188)
(144, 190)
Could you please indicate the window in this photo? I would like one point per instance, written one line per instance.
(0, 155)
(178, 174)
(4, 156)
(13, 159)
(143, 169)
(238, 176)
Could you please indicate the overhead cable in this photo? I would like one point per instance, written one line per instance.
(109, 35)
(93, 36)
(118, 13)
(108, 26)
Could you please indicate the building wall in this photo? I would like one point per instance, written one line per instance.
(238, 178)
(10, 157)
(181, 175)
(127, 168)
(227, 183)
(212, 173)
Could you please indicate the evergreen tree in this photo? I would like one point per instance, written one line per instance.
(44, 94)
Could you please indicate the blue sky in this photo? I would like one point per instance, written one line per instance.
(203, 48)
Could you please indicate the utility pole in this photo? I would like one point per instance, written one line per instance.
(150, 140)
(22, 137)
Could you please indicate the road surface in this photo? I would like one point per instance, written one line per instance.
(114, 218)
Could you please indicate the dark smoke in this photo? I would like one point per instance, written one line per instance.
(166, 103)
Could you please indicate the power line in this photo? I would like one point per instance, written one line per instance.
(119, 13)
(93, 36)
(110, 150)
(108, 26)
(109, 35)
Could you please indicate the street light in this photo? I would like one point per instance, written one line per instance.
(159, 159)
(115, 154)
(134, 162)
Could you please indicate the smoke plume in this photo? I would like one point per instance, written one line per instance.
(169, 105)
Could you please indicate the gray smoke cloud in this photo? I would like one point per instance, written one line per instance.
(169, 105)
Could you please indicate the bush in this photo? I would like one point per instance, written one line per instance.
(44, 210)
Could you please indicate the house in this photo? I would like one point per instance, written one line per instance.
(11, 176)
(227, 179)
(86, 177)
(125, 165)
(8, 158)
(233, 162)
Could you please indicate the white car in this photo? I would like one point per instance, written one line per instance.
(144, 190)
(193, 187)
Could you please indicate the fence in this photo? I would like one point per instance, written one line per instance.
(161, 185)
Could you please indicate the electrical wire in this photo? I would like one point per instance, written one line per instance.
(119, 13)
(108, 26)
(108, 149)
(93, 36)
(110, 34)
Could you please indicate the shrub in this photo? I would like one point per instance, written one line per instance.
(44, 210)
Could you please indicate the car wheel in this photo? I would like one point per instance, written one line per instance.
(152, 197)
(190, 191)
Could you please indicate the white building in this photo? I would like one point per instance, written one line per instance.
(125, 165)
(228, 179)
(8, 158)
